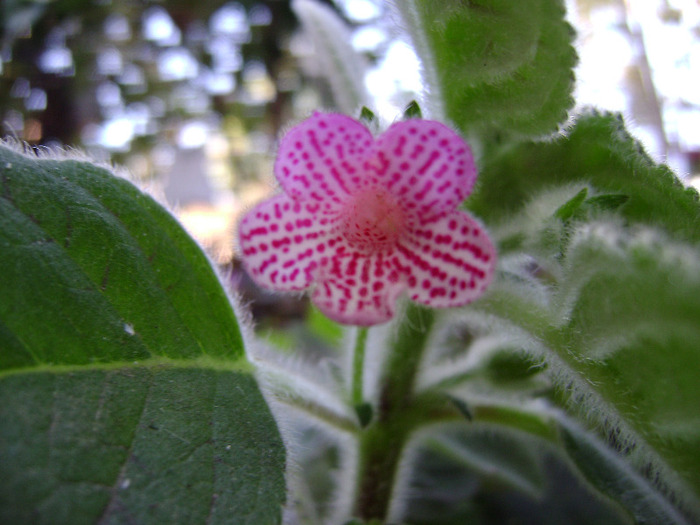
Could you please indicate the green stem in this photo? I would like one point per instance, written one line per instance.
(382, 442)
(358, 366)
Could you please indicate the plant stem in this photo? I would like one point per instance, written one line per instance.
(382, 442)
(358, 366)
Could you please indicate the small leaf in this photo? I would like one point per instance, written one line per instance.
(612, 476)
(492, 474)
(412, 110)
(609, 202)
(569, 209)
(369, 119)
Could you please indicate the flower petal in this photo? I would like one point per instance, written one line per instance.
(281, 243)
(321, 159)
(425, 164)
(358, 289)
(449, 262)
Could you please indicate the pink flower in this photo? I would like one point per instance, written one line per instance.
(363, 221)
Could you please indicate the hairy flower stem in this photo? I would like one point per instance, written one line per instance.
(358, 366)
(382, 442)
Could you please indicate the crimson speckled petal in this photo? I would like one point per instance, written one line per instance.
(282, 242)
(321, 159)
(359, 289)
(425, 164)
(450, 262)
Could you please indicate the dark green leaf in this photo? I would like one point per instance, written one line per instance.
(138, 445)
(368, 117)
(125, 394)
(412, 110)
(364, 413)
(609, 202)
(491, 474)
(104, 269)
(612, 476)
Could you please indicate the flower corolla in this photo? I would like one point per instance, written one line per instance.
(363, 221)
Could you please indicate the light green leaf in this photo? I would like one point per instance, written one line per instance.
(497, 65)
(599, 279)
(619, 333)
(597, 151)
(632, 309)
(123, 376)
(567, 210)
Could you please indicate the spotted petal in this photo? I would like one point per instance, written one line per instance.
(281, 241)
(321, 159)
(449, 262)
(426, 165)
(358, 289)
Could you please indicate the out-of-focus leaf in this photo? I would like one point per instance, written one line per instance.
(599, 152)
(486, 474)
(340, 64)
(497, 65)
(608, 472)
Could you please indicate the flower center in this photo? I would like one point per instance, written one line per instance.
(373, 220)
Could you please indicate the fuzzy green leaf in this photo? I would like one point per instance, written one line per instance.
(125, 394)
(611, 475)
(412, 110)
(499, 66)
(571, 207)
(617, 326)
(490, 474)
(632, 307)
(597, 151)
(599, 279)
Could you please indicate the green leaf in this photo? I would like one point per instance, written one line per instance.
(412, 110)
(608, 298)
(567, 210)
(485, 473)
(123, 375)
(611, 475)
(632, 308)
(596, 151)
(107, 272)
(369, 119)
(499, 66)
(364, 413)
(618, 329)
(609, 202)
(156, 444)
